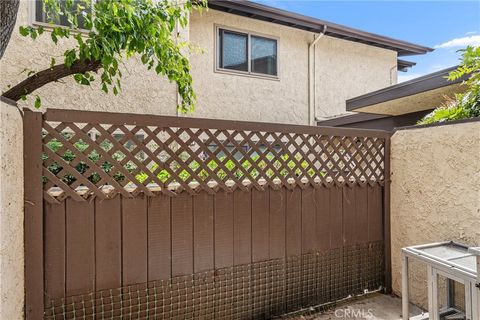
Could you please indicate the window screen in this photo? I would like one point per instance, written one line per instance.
(233, 50)
(237, 48)
(264, 55)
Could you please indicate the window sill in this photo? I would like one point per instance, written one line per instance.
(247, 74)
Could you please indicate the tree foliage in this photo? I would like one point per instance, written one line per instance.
(467, 104)
(106, 32)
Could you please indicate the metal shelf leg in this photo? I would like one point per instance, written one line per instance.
(405, 311)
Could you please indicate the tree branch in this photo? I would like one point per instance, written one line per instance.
(52, 74)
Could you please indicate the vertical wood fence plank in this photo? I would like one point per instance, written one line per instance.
(203, 251)
(361, 209)
(277, 249)
(54, 251)
(294, 249)
(242, 232)
(182, 235)
(242, 253)
(386, 218)
(260, 252)
(277, 223)
(336, 266)
(159, 238)
(308, 220)
(349, 215)
(260, 225)
(34, 285)
(223, 240)
(80, 247)
(108, 243)
(203, 232)
(323, 230)
(351, 261)
(322, 202)
(223, 229)
(309, 267)
(294, 222)
(134, 241)
(375, 214)
(336, 217)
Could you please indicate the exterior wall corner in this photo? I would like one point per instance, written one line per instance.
(11, 213)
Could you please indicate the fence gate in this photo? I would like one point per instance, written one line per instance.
(135, 216)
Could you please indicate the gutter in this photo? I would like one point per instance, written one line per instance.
(311, 77)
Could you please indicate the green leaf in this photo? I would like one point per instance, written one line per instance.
(54, 37)
(83, 79)
(38, 102)
(70, 57)
(78, 77)
(24, 31)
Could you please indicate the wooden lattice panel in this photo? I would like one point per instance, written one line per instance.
(99, 154)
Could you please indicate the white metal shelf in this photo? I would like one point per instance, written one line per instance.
(454, 261)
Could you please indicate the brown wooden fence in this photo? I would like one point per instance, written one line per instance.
(132, 216)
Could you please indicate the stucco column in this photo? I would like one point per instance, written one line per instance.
(435, 191)
(11, 213)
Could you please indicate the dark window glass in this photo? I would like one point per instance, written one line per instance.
(233, 50)
(41, 16)
(264, 55)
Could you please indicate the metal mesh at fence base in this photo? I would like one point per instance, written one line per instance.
(259, 290)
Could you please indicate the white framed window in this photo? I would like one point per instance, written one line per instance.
(39, 17)
(246, 53)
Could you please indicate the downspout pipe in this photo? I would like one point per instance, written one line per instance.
(311, 77)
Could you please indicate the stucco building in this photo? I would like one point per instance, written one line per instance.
(257, 63)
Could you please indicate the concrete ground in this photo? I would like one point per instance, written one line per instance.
(371, 307)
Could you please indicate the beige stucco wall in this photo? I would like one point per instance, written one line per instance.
(346, 69)
(242, 97)
(343, 69)
(142, 91)
(435, 193)
(11, 213)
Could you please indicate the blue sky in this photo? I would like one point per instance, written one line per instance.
(444, 25)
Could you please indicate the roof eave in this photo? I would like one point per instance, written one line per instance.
(404, 65)
(258, 11)
(425, 83)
